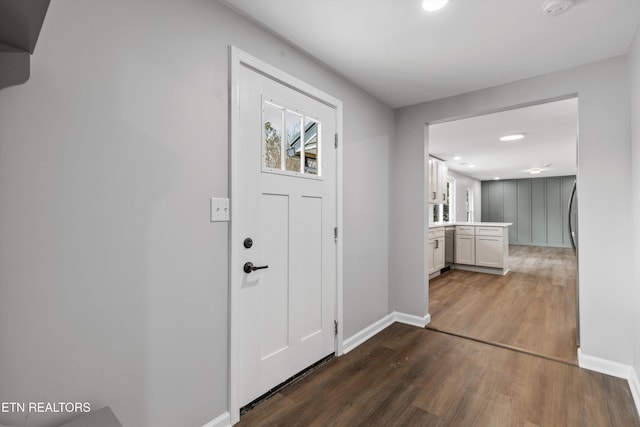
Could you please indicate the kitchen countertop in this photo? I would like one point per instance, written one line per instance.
(480, 224)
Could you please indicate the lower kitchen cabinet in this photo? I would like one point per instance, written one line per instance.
(489, 251)
(435, 252)
(492, 247)
(480, 247)
(465, 247)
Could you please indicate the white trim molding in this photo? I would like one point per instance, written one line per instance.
(368, 332)
(634, 385)
(603, 366)
(222, 420)
(409, 319)
(614, 369)
(360, 337)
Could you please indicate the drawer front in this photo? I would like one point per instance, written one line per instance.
(436, 232)
(466, 230)
(489, 231)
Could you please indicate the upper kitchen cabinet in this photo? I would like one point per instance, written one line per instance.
(438, 172)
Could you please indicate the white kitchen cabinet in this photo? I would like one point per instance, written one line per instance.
(489, 252)
(492, 247)
(438, 171)
(443, 171)
(465, 245)
(435, 252)
(482, 247)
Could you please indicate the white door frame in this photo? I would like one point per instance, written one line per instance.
(239, 59)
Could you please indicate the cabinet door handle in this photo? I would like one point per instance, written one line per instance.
(436, 242)
(434, 195)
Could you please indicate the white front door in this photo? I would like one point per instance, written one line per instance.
(286, 204)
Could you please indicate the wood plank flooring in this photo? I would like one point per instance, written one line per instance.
(531, 308)
(408, 376)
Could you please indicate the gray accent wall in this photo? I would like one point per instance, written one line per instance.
(537, 207)
(604, 173)
(113, 281)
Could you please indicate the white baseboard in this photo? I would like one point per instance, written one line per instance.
(604, 366)
(222, 420)
(634, 385)
(614, 369)
(412, 320)
(368, 332)
(360, 337)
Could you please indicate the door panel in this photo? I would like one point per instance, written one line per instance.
(309, 267)
(275, 292)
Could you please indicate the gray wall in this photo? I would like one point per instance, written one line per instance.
(113, 280)
(634, 65)
(462, 183)
(604, 169)
(537, 207)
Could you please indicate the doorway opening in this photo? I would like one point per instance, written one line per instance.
(514, 172)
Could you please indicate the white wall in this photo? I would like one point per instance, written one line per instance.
(634, 67)
(113, 281)
(604, 168)
(462, 183)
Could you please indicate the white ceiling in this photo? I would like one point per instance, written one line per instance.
(404, 56)
(551, 134)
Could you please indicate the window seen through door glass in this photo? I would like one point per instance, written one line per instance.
(272, 136)
(293, 125)
(311, 157)
(291, 141)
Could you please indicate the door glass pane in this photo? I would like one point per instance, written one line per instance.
(291, 141)
(311, 146)
(272, 136)
(293, 125)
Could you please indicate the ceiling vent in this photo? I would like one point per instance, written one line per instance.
(556, 7)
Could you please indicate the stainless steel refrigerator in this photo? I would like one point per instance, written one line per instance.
(572, 220)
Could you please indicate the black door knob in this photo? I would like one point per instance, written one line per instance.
(249, 267)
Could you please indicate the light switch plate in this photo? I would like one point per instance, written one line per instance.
(219, 209)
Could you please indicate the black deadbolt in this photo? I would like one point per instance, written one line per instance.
(248, 242)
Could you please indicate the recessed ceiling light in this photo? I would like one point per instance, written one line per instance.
(496, 178)
(472, 166)
(535, 171)
(514, 137)
(457, 158)
(433, 5)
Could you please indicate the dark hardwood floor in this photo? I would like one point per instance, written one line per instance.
(408, 376)
(532, 308)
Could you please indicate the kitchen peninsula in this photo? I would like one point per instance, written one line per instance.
(474, 246)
